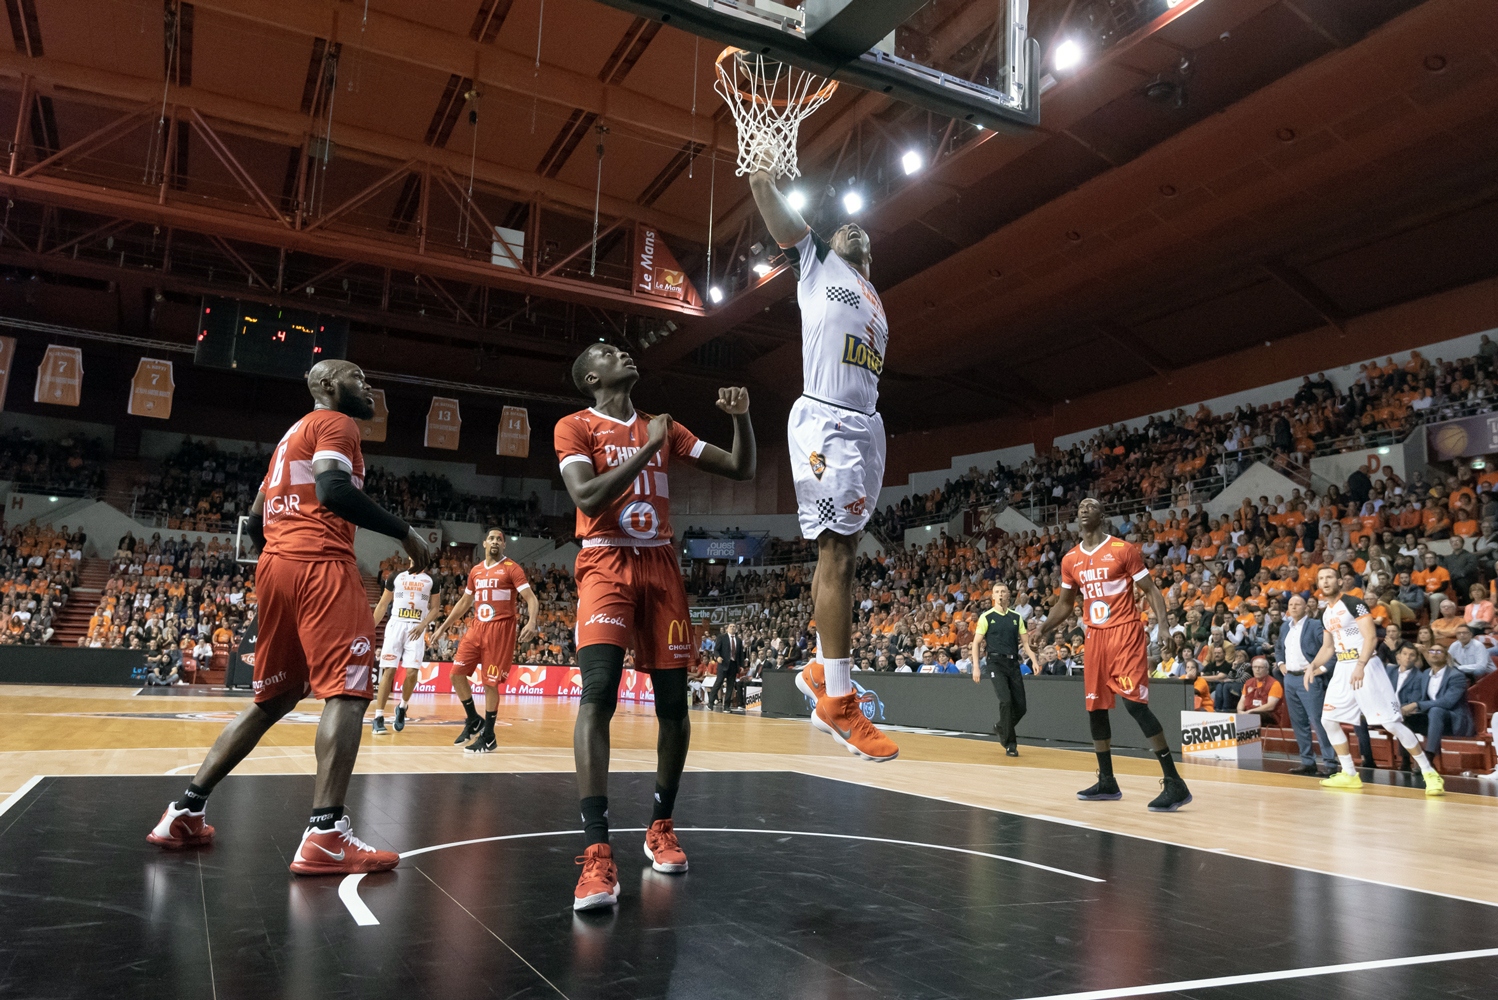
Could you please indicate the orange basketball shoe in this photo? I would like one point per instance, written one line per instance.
(598, 885)
(179, 828)
(663, 849)
(843, 720)
(339, 852)
(812, 681)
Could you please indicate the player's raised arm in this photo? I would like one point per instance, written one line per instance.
(739, 464)
(336, 491)
(785, 224)
(594, 491)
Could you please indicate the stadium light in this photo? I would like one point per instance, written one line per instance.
(1068, 54)
(795, 199)
(853, 203)
(716, 294)
(912, 162)
(763, 268)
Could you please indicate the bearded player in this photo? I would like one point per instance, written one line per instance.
(836, 444)
(1360, 687)
(615, 462)
(316, 630)
(408, 598)
(1104, 571)
(488, 644)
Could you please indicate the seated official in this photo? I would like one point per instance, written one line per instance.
(1262, 694)
(1407, 676)
(1443, 709)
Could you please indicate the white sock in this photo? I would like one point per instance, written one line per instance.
(1411, 743)
(839, 674)
(379, 713)
(403, 702)
(1419, 757)
(1345, 759)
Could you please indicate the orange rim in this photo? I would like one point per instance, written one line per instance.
(826, 91)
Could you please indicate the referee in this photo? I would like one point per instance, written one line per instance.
(1003, 630)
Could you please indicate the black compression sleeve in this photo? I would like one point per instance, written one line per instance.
(337, 492)
(255, 525)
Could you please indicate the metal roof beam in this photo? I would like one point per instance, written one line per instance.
(103, 88)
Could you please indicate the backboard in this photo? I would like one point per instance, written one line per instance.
(973, 62)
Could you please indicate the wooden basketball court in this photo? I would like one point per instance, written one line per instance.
(1296, 891)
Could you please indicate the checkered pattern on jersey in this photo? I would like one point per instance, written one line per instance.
(826, 510)
(846, 296)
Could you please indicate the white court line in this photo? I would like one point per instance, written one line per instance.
(348, 891)
(1154, 840)
(1270, 977)
(20, 793)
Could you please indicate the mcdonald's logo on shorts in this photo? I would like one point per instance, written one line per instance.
(679, 635)
(1125, 684)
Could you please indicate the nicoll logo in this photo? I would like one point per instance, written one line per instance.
(603, 619)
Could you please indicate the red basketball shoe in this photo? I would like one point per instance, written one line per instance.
(598, 885)
(179, 828)
(339, 852)
(663, 849)
(843, 720)
(812, 681)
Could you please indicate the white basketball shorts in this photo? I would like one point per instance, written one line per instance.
(1374, 701)
(837, 462)
(403, 646)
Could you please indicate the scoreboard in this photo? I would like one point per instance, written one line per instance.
(258, 339)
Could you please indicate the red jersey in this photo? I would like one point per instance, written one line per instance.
(642, 514)
(296, 525)
(493, 589)
(1104, 581)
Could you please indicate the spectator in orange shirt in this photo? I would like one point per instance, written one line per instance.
(1261, 693)
(1434, 579)
(1435, 520)
(1203, 693)
(1479, 614)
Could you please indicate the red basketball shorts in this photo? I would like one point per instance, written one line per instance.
(1116, 661)
(488, 646)
(316, 630)
(633, 598)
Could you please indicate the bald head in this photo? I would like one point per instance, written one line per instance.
(340, 385)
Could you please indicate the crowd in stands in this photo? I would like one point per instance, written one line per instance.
(1185, 457)
(200, 487)
(38, 571)
(183, 602)
(71, 464)
(1226, 581)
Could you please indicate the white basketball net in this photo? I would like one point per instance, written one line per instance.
(769, 99)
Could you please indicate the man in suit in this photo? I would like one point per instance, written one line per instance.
(730, 662)
(1297, 645)
(1440, 709)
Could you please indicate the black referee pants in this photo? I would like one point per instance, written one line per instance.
(1009, 685)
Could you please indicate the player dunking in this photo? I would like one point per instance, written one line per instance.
(408, 598)
(1105, 570)
(1360, 687)
(615, 462)
(316, 630)
(836, 444)
(489, 642)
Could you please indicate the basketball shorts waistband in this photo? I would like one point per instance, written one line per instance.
(839, 406)
(624, 543)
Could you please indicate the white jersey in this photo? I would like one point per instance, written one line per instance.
(411, 597)
(843, 328)
(1341, 622)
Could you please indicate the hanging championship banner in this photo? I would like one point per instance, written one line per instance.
(656, 271)
(373, 429)
(514, 433)
(151, 389)
(443, 424)
(7, 358)
(59, 380)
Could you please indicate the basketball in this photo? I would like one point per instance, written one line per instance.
(1450, 440)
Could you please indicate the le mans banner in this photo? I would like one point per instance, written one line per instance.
(532, 680)
(656, 271)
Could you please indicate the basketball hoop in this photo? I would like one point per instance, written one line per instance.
(769, 100)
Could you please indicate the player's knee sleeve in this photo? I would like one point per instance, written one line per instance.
(601, 666)
(1404, 734)
(1333, 730)
(670, 694)
(1098, 722)
(1148, 723)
